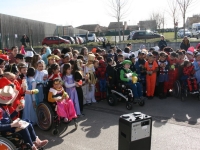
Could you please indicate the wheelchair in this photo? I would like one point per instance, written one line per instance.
(46, 113)
(122, 91)
(182, 91)
(13, 141)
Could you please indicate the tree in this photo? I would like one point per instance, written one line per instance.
(184, 5)
(119, 9)
(174, 13)
(158, 17)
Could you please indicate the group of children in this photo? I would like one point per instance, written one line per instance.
(157, 71)
(79, 79)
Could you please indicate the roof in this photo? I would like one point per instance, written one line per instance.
(89, 27)
(115, 25)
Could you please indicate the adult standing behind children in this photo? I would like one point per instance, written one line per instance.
(162, 44)
(185, 44)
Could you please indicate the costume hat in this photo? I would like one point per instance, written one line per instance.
(190, 50)
(126, 62)
(8, 94)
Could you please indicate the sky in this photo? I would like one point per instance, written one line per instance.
(79, 12)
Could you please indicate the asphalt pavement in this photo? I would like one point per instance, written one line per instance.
(176, 126)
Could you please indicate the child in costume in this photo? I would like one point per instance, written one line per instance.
(111, 74)
(197, 66)
(40, 77)
(97, 85)
(54, 72)
(188, 77)
(151, 67)
(173, 69)
(90, 87)
(7, 96)
(29, 111)
(190, 54)
(163, 68)
(126, 76)
(132, 59)
(65, 106)
(79, 78)
(70, 86)
(101, 75)
(140, 70)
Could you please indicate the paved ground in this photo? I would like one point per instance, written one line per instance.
(176, 126)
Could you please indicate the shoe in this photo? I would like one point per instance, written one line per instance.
(75, 123)
(66, 120)
(81, 115)
(196, 92)
(34, 147)
(137, 100)
(161, 97)
(39, 144)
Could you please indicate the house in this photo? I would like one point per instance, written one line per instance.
(94, 28)
(148, 25)
(133, 27)
(191, 20)
(115, 26)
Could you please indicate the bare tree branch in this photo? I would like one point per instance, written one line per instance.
(184, 5)
(119, 10)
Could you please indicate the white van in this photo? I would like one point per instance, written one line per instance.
(195, 30)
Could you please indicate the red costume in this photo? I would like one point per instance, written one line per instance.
(173, 72)
(101, 75)
(54, 76)
(191, 80)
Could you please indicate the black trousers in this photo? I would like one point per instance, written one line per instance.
(80, 97)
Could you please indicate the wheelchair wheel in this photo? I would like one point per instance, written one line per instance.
(55, 131)
(177, 89)
(112, 100)
(45, 116)
(129, 105)
(141, 103)
(5, 144)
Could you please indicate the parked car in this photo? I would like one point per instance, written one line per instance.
(180, 33)
(83, 36)
(81, 40)
(92, 37)
(71, 39)
(76, 39)
(142, 34)
(196, 30)
(54, 40)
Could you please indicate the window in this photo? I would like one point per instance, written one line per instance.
(149, 33)
(141, 33)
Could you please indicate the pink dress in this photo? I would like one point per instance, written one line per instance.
(65, 108)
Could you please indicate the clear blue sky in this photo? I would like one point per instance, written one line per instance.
(78, 12)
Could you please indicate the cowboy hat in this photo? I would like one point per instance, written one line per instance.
(8, 95)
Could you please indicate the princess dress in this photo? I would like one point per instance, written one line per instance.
(71, 90)
(65, 108)
(90, 88)
(29, 111)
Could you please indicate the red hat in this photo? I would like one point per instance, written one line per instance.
(190, 50)
(4, 57)
(4, 81)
